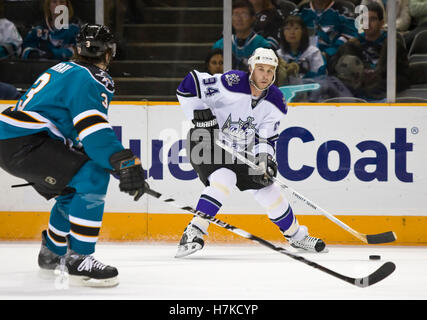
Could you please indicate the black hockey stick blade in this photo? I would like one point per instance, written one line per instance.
(383, 272)
(384, 237)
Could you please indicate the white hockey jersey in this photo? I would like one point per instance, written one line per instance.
(242, 119)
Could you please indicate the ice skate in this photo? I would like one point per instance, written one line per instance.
(191, 241)
(47, 259)
(303, 242)
(85, 270)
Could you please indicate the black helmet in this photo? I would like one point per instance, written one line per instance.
(94, 39)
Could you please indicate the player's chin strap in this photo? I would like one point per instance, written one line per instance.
(256, 87)
(384, 237)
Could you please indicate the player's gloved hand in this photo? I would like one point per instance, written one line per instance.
(205, 127)
(128, 167)
(269, 165)
(205, 119)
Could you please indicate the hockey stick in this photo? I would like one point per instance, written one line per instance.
(381, 273)
(384, 237)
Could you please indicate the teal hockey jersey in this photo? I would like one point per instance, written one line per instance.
(69, 101)
(331, 27)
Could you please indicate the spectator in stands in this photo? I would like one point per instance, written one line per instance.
(372, 39)
(214, 61)
(403, 18)
(375, 84)
(370, 49)
(295, 47)
(418, 11)
(330, 24)
(55, 37)
(244, 39)
(10, 39)
(372, 85)
(268, 20)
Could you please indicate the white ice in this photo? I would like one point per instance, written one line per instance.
(149, 271)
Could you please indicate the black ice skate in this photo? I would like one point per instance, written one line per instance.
(85, 270)
(191, 241)
(47, 259)
(307, 243)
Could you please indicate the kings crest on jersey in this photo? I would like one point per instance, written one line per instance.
(242, 118)
(70, 102)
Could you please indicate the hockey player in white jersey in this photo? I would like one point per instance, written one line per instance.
(244, 111)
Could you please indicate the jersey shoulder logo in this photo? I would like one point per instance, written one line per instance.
(105, 79)
(101, 76)
(232, 78)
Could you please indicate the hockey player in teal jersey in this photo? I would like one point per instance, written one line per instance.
(58, 139)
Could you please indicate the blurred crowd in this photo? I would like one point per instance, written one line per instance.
(338, 44)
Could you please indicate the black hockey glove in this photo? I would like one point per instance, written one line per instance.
(266, 162)
(205, 127)
(205, 119)
(130, 172)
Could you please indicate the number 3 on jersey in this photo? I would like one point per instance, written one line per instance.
(105, 101)
(41, 82)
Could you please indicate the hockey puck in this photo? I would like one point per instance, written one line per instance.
(374, 257)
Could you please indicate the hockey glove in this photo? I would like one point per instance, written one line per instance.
(205, 128)
(267, 163)
(205, 119)
(128, 167)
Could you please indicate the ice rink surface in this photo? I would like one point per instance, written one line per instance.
(149, 271)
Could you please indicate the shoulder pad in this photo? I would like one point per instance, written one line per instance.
(236, 81)
(275, 96)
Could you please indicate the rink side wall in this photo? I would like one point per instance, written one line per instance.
(365, 164)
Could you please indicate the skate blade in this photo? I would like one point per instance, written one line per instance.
(187, 249)
(83, 281)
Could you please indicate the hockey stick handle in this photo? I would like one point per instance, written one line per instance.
(294, 193)
(384, 271)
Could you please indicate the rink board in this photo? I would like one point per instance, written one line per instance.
(364, 164)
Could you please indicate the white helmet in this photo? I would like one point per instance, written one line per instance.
(263, 56)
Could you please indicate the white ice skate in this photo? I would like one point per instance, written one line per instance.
(303, 242)
(191, 241)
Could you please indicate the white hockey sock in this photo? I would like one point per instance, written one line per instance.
(221, 183)
(278, 209)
